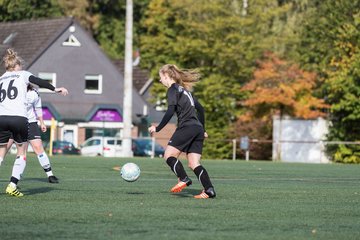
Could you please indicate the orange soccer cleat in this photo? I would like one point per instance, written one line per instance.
(209, 193)
(181, 185)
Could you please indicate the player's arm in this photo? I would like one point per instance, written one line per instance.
(168, 115)
(172, 102)
(200, 111)
(45, 84)
(38, 110)
(201, 114)
(42, 124)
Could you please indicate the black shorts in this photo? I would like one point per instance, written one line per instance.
(14, 126)
(188, 139)
(34, 131)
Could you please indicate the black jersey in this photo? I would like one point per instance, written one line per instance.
(184, 105)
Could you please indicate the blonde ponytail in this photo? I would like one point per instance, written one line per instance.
(184, 77)
(11, 60)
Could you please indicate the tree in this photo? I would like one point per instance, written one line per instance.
(15, 10)
(216, 37)
(278, 87)
(343, 89)
(109, 30)
(330, 45)
(282, 87)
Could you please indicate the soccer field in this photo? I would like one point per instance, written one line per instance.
(255, 200)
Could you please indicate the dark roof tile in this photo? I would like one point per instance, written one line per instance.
(36, 36)
(140, 76)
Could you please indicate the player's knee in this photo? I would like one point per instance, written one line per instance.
(38, 149)
(193, 165)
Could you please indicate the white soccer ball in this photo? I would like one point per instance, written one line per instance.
(130, 172)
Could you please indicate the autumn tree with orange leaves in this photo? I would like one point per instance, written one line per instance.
(278, 87)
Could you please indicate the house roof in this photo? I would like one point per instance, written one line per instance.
(32, 38)
(36, 36)
(140, 76)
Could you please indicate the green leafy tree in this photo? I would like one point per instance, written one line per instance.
(109, 25)
(222, 39)
(343, 87)
(15, 10)
(330, 45)
(80, 10)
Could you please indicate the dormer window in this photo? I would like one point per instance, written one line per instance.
(93, 84)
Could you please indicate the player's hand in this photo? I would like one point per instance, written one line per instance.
(63, 91)
(152, 129)
(206, 135)
(43, 127)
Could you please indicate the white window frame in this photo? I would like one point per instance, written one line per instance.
(93, 77)
(160, 105)
(50, 77)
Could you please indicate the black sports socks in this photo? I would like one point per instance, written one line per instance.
(177, 167)
(203, 177)
(201, 173)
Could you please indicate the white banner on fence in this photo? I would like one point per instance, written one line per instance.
(296, 140)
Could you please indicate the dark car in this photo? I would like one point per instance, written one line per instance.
(64, 147)
(143, 148)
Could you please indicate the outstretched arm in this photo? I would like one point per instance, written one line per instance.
(45, 84)
(168, 115)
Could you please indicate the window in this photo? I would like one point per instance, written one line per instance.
(93, 84)
(94, 142)
(50, 77)
(160, 105)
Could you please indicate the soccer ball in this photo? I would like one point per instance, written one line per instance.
(130, 172)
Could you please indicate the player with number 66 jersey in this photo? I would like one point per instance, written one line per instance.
(13, 113)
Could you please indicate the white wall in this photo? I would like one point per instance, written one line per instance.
(296, 140)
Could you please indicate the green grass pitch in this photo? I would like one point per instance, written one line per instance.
(256, 200)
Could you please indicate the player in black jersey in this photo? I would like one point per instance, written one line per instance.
(190, 133)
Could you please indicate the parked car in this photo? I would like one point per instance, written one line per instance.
(59, 147)
(112, 147)
(63, 147)
(143, 147)
(102, 146)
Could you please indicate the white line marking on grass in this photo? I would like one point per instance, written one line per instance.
(332, 180)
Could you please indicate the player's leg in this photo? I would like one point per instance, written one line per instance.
(37, 145)
(44, 160)
(3, 152)
(194, 155)
(5, 149)
(171, 155)
(202, 175)
(17, 171)
(18, 126)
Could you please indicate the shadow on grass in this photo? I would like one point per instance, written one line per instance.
(135, 193)
(44, 179)
(187, 193)
(34, 191)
